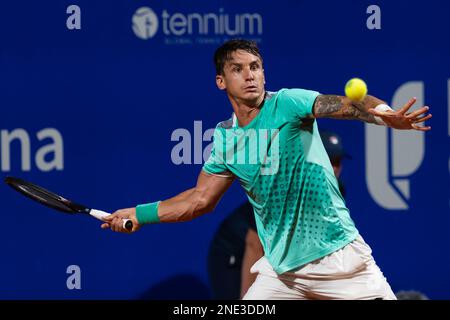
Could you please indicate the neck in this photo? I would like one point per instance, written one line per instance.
(246, 111)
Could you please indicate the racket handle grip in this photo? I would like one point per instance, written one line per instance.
(127, 224)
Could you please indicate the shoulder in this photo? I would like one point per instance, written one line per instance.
(272, 94)
(226, 124)
(296, 93)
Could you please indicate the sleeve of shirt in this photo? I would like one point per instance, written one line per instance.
(216, 163)
(299, 102)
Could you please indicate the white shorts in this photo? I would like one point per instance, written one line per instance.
(348, 273)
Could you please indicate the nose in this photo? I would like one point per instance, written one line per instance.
(248, 74)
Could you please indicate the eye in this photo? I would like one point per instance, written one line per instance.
(237, 69)
(255, 67)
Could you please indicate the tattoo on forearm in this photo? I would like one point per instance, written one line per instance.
(326, 104)
(353, 111)
(335, 107)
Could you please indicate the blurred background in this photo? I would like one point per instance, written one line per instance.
(112, 104)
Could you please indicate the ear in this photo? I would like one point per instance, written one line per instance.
(220, 82)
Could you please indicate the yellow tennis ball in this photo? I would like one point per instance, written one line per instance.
(356, 89)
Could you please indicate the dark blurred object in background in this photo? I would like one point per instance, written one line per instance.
(411, 295)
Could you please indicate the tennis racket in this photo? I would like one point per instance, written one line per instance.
(54, 201)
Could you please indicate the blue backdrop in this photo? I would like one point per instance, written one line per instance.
(95, 97)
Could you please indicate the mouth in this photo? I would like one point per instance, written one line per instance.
(251, 88)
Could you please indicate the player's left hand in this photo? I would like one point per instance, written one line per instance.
(404, 120)
(115, 220)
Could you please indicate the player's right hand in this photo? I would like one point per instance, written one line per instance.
(115, 220)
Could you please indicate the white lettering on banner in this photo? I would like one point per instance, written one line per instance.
(374, 20)
(210, 23)
(55, 147)
(393, 155)
(74, 20)
(145, 24)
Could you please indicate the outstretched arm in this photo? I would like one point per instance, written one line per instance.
(340, 107)
(184, 207)
(196, 201)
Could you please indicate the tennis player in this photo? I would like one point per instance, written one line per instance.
(312, 249)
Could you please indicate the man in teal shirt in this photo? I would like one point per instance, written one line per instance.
(271, 144)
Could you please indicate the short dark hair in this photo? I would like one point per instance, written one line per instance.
(223, 53)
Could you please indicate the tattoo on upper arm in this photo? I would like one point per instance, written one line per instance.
(333, 106)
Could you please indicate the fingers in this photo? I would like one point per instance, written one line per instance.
(415, 119)
(422, 119)
(108, 218)
(407, 106)
(112, 216)
(417, 113)
(420, 128)
(115, 223)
